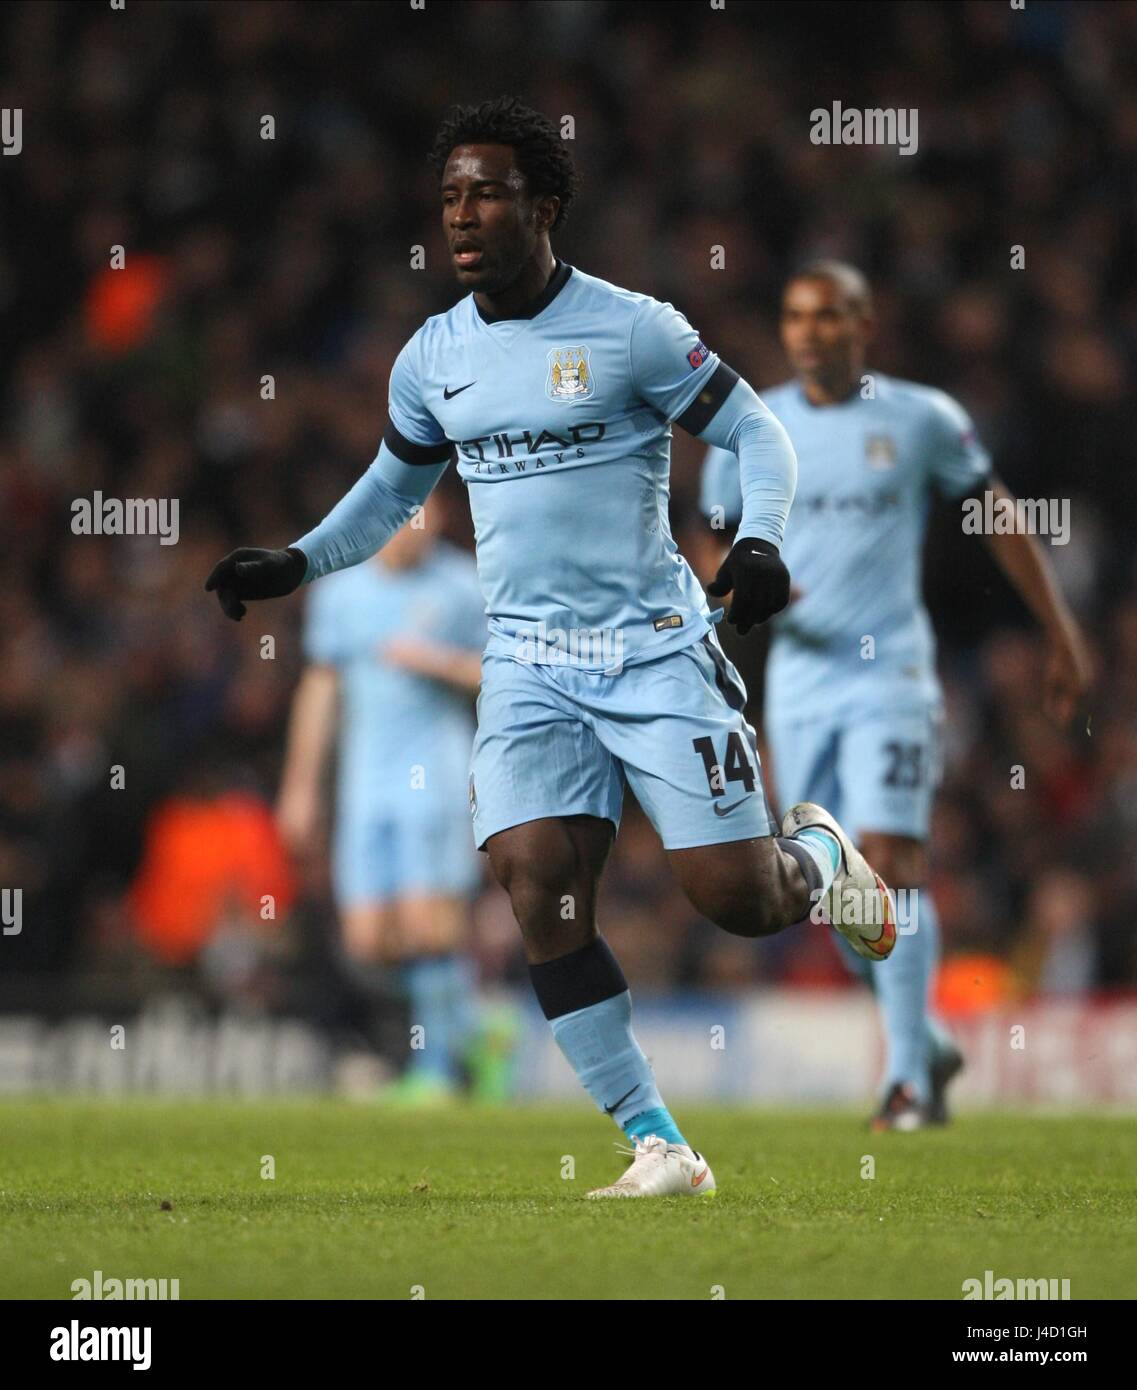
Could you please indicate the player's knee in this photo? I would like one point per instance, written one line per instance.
(369, 934)
(541, 880)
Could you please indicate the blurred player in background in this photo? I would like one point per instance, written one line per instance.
(853, 705)
(557, 391)
(394, 649)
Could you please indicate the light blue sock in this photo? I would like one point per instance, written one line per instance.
(902, 983)
(657, 1121)
(462, 1005)
(824, 849)
(433, 984)
(601, 1048)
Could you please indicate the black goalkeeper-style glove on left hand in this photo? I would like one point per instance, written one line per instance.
(250, 573)
(754, 574)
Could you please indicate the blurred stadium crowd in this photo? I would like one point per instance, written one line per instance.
(291, 257)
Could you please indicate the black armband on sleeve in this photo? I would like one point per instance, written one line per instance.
(406, 451)
(703, 408)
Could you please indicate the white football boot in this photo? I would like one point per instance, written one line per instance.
(660, 1169)
(857, 902)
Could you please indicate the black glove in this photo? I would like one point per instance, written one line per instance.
(754, 574)
(249, 573)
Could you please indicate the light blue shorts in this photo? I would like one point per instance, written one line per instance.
(561, 741)
(875, 772)
(380, 856)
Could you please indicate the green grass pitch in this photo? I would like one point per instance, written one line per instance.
(370, 1202)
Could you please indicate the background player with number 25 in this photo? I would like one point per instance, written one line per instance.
(853, 705)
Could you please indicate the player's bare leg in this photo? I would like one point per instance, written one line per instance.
(746, 887)
(551, 870)
(432, 924)
(761, 886)
(550, 867)
(370, 933)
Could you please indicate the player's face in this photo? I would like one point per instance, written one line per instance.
(490, 222)
(823, 335)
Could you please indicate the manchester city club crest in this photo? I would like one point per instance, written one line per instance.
(570, 374)
(880, 452)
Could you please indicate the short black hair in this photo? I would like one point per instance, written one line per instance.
(538, 150)
(848, 279)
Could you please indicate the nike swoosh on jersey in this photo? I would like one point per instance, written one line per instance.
(449, 395)
(725, 811)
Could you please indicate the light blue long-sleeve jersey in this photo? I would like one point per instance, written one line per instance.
(560, 420)
(854, 541)
(404, 739)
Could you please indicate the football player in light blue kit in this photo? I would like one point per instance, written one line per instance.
(394, 652)
(853, 705)
(557, 391)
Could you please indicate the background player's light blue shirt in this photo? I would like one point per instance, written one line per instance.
(854, 541)
(392, 720)
(561, 423)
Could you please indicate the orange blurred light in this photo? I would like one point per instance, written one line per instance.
(121, 304)
(202, 860)
(971, 984)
